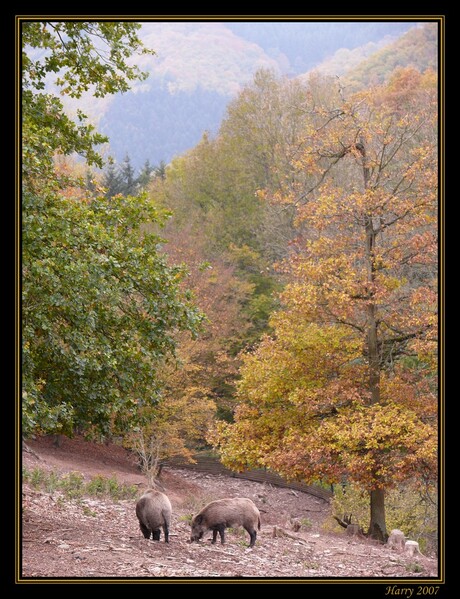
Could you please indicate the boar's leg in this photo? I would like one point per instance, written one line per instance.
(145, 531)
(253, 535)
(218, 528)
(156, 534)
(166, 531)
(221, 529)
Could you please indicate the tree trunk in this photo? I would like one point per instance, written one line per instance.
(377, 526)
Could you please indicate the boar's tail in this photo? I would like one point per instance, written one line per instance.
(258, 523)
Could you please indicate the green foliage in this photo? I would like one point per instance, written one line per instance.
(73, 485)
(82, 56)
(52, 482)
(112, 181)
(122, 179)
(186, 518)
(36, 477)
(414, 567)
(306, 523)
(101, 486)
(100, 308)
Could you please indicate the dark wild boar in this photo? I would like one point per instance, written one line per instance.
(223, 513)
(154, 512)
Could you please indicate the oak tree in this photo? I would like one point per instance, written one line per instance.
(346, 386)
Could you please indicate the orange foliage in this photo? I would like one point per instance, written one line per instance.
(347, 384)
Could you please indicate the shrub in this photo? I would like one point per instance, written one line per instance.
(73, 484)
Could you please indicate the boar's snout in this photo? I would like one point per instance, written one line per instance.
(196, 536)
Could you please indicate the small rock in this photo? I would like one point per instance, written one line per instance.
(63, 546)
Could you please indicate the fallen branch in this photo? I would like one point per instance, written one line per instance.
(280, 532)
(345, 521)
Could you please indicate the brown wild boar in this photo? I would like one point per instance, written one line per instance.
(222, 513)
(154, 511)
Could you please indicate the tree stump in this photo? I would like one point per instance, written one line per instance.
(412, 548)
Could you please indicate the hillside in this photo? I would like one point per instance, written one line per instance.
(345, 59)
(199, 67)
(417, 48)
(99, 537)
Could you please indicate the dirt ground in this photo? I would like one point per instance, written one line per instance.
(100, 538)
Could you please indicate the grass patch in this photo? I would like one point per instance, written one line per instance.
(51, 483)
(414, 567)
(37, 478)
(306, 523)
(97, 487)
(74, 486)
(238, 531)
(88, 511)
(186, 518)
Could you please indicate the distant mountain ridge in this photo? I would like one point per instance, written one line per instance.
(200, 66)
(417, 48)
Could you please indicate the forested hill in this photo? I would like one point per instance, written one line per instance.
(417, 48)
(271, 294)
(199, 67)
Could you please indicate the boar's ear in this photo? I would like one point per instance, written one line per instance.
(198, 519)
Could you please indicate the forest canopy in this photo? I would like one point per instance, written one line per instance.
(271, 293)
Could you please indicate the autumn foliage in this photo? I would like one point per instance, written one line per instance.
(272, 292)
(346, 386)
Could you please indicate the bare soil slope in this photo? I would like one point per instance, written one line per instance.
(99, 537)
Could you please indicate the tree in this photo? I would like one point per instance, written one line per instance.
(145, 176)
(166, 429)
(100, 310)
(100, 306)
(213, 188)
(112, 181)
(160, 170)
(127, 177)
(347, 384)
(209, 362)
(201, 384)
(83, 56)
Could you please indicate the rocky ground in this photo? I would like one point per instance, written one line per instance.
(100, 537)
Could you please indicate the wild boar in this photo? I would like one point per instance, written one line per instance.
(223, 513)
(154, 511)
